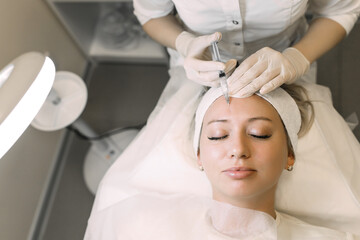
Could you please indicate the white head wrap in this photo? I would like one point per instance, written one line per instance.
(283, 103)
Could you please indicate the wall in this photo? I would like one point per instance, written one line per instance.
(339, 69)
(29, 25)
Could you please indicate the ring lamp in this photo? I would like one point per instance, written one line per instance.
(24, 85)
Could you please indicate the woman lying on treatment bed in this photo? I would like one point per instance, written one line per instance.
(243, 149)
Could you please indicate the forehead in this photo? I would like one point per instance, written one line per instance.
(253, 106)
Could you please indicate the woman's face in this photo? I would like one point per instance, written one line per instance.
(243, 149)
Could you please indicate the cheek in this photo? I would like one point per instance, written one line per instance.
(273, 155)
(211, 152)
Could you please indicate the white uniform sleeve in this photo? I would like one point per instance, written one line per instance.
(145, 10)
(344, 12)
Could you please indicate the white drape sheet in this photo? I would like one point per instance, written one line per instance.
(179, 217)
(323, 189)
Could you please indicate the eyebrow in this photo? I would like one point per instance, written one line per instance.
(260, 118)
(217, 120)
(249, 120)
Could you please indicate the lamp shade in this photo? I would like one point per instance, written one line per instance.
(65, 103)
(24, 85)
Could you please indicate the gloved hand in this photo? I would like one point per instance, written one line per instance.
(266, 70)
(198, 65)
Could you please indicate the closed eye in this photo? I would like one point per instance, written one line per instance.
(260, 136)
(217, 138)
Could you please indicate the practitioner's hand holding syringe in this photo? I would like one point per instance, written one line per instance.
(198, 64)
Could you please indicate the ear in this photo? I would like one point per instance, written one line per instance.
(290, 159)
(198, 158)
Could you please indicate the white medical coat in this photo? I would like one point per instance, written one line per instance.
(188, 217)
(248, 25)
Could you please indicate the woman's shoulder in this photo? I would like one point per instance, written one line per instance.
(147, 216)
(160, 201)
(160, 208)
(290, 227)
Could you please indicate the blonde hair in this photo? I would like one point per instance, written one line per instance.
(306, 108)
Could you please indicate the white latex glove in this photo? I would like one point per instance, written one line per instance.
(266, 70)
(198, 65)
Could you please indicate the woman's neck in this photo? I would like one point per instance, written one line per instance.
(240, 222)
(264, 203)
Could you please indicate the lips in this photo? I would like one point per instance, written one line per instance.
(239, 173)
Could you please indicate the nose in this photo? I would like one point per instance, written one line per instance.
(239, 148)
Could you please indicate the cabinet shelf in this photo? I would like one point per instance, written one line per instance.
(82, 19)
(89, 1)
(146, 51)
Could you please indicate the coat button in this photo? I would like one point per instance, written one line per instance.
(235, 22)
